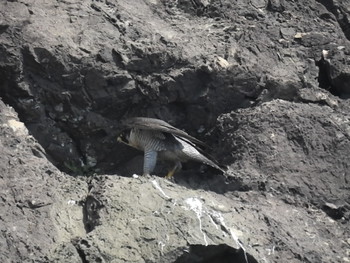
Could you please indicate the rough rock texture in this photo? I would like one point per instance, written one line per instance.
(291, 148)
(266, 83)
(39, 204)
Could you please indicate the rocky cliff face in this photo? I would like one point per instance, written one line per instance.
(266, 83)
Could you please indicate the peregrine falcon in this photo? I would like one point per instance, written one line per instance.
(158, 139)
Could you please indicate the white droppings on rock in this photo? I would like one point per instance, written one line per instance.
(161, 246)
(239, 243)
(71, 202)
(157, 186)
(196, 206)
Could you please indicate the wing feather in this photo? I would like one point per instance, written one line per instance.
(159, 125)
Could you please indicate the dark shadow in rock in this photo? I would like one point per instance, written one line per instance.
(333, 211)
(91, 215)
(215, 254)
(209, 180)
(324, 79)
(87, 251)
(332, 76)
(193, 176)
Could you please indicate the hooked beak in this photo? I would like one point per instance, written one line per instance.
(119, 139)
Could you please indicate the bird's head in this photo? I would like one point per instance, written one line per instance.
(124, 137)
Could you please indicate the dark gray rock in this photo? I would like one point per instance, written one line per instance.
(40, 205)
(265, 83)
(290, 148)
(74, 69)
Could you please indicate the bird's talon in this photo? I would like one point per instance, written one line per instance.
(170, 175)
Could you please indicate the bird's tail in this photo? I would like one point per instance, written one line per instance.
(214, 164)
(199, 155)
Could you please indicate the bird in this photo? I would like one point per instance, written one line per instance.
(160, 140)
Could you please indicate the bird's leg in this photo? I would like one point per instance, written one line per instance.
(149, 161)
(174, 170)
